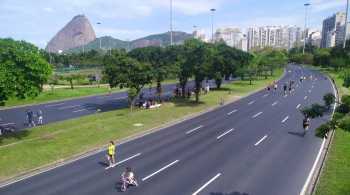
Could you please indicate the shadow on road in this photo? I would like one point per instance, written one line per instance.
(299, 134)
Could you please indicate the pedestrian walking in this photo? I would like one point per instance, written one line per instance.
(111, 154)
(30, 118)
(39, 114)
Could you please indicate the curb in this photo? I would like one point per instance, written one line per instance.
(314, 177)
(63, 162)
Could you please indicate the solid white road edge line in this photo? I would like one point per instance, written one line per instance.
(123, 161)
(285, 119)
(160, 170)
(52, 105)
(206, 184)
(256, 115)
(195, 129)
(227, 132)
(298, 106)
(119, 98)
(261, 140)
(308, 180)
(275, 103)
(233, 111)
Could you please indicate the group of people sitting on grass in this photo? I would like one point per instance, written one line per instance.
(149, 104)
(179, 92)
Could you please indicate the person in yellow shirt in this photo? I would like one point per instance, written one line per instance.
(111, 154)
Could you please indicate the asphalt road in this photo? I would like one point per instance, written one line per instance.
(252, 146)
(75, 108)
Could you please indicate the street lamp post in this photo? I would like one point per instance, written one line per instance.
(212, 24)
(306, 5)
(99, 23)
(346, 23)
(171, 22)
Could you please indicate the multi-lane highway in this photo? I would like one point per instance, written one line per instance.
(253, 146)
(75, 108)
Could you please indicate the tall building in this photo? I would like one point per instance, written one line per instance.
(233, 37)
(283, 37)
(200, 34)
(333, 30)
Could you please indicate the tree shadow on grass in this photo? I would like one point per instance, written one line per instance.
(180, 102)
(230, 193)
(18, 135)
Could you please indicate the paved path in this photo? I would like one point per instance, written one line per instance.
(75, 108)
(253, 146)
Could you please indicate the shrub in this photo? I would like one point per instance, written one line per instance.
(322, 130)
(343, 108)
(328, 99)
(346, 100)
(337, 116)
(345, 123)
(314, 111)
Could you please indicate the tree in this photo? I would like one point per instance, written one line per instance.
(328, 99)
(71, 78)
(23, 70)
(157, 57)
(123, 71)
(322, 57)
(199, 58)
(314, 111)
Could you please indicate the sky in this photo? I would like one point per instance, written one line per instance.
(37, 21)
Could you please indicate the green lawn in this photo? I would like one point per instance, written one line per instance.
(57, 141)
(335, 177)
(67, 93)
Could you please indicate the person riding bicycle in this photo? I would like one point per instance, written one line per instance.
(128, 178)
(306, 123)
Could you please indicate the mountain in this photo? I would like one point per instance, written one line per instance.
(107, 42)
(161, 39)
(151, 40)
(76, 33)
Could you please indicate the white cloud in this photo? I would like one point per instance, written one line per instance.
(323, 5)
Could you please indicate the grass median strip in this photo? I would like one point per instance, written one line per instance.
(54, 142)
(335, 175)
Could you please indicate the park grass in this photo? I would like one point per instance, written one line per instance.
(67, 93)
(58, 141)
(335, 176)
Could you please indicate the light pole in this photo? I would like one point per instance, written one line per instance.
(346, 23)
(99, 23)
(306, 5)
(171, 22)
(212, 24)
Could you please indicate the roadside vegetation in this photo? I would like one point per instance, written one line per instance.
(131, 71)
(335, 62)
(58, 141)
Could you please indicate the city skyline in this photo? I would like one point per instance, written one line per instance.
(135, 18)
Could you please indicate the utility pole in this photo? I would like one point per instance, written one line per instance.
(171, 22)
(346, 23)
(212, 24)
(306, 5)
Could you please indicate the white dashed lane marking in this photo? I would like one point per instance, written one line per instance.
(285, 119)
(261, 140)
(256, 115)
(233, 111)
(227, 132)
(195, 129)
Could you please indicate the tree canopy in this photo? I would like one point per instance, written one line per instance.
(23, 70)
